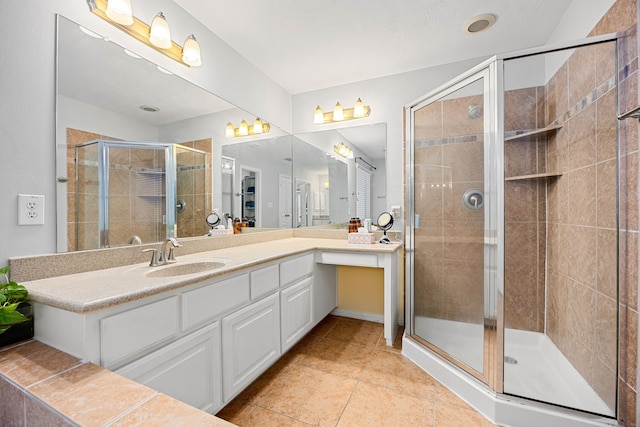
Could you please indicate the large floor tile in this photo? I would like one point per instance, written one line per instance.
(395, 371)
(372, 405)
(338, 357)
(261, 417)
(308, 395)
(357, 332)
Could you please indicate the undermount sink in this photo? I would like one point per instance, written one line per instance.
(187, 268)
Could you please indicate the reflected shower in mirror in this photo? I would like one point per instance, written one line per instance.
(108, 93)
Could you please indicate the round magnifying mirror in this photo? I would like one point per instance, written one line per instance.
(385, 222)
(213, 219)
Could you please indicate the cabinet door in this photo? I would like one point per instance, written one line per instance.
(296, 305)
(250, 343)
(188, 369)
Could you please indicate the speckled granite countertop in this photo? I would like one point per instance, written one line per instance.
(94, 290)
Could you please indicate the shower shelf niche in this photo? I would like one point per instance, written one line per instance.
(534, 176)
(537, 135)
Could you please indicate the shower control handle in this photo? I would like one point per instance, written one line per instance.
(473, 199)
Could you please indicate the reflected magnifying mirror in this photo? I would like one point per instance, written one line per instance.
(385, 222)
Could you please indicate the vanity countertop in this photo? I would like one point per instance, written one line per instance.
(99, 289)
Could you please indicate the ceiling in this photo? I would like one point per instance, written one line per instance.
(309, 45)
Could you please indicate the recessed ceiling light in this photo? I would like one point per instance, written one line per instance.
(149, 108)
(479, 23)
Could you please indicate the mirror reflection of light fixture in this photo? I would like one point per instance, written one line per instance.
(342, 150)
(159, 33)
(244, 129)
(340, 114)
(156, 36)
(120, 11)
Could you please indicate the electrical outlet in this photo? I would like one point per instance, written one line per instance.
(30, 209)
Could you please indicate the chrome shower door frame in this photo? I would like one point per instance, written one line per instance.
(490, 72)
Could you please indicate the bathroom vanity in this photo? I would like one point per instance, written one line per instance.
(203, 336)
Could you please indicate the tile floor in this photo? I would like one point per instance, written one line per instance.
(343, 374)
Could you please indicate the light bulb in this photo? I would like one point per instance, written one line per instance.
(337, 112)
(243, 129)
(257, 126)
(230, 132)
(120, 11)
(358, 109)
(318, 116)
(160, 34)
(191, 52)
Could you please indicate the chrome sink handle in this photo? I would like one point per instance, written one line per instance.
(154, 257)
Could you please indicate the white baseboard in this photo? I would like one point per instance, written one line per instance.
(378, 318)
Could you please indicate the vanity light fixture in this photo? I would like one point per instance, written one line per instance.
(120, 11)
(156, 36)
(244, 129)
(340, 114)
(160, 33)
(342, 150)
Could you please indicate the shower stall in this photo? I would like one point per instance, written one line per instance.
(137, 192)
(512, 234)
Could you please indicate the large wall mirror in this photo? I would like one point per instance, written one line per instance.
(142, 154)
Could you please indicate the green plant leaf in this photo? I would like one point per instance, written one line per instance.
(9, 315)
(4, 270)
(15, 292)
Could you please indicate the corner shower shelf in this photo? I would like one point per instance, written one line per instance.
(537, 132)
(534, 176)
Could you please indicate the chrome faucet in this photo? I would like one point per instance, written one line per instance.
(168, 258)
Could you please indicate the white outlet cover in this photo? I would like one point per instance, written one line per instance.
(30, 209)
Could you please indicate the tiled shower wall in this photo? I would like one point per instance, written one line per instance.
(194, 187)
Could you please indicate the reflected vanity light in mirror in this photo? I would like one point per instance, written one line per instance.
(342, 150)
(156, 36)
(258, 127)
(340, 114)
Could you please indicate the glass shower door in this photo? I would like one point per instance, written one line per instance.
(451, 305)
(136, 204)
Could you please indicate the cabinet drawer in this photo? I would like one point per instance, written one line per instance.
(295, 269)
(211, 300)
(126, 335)
(346, 258)
(264, 281)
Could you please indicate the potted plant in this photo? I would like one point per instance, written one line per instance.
(16, 317)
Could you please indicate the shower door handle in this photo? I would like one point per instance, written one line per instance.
(416, 220)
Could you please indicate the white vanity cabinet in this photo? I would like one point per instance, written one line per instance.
(296, 306)
(187, 369)
(203, 343)
(250, 344)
